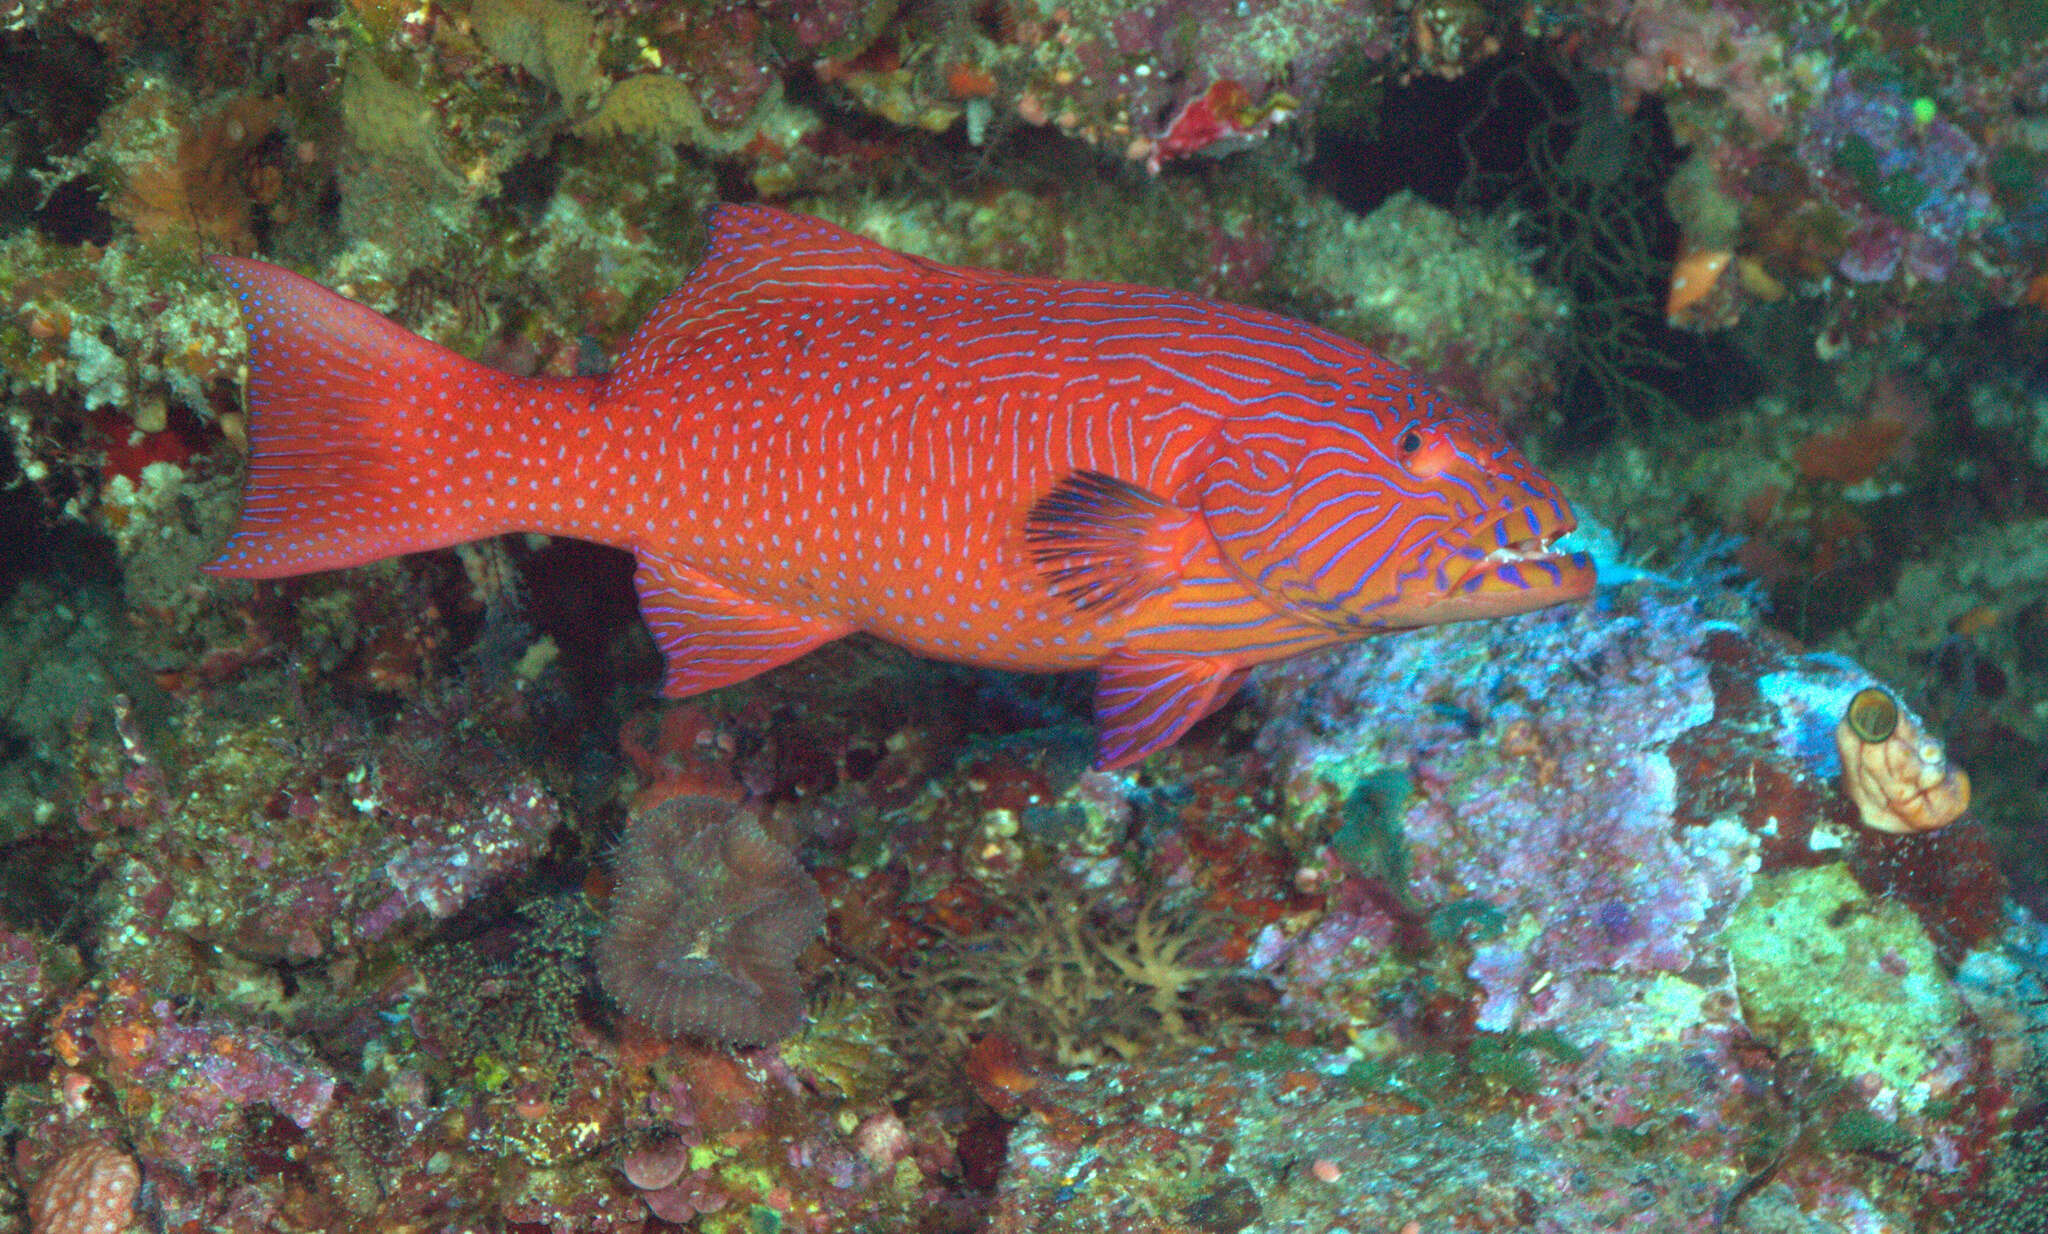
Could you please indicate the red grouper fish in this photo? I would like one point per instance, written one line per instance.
(816, 435)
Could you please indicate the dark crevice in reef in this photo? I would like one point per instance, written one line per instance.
(1584, 179)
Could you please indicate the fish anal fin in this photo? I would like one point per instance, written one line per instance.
(1145, 702)
(711, 635)
(1103, 542)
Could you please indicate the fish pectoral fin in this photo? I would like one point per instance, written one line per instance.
(1145, 702)
(711, 635)
(1103, 542)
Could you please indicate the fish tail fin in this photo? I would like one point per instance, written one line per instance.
(358, 431)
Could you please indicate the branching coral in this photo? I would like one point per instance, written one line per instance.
(1070, 979)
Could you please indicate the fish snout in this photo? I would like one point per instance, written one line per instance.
(1511, 564)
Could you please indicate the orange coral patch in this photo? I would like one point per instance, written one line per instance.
(1852, 455)
(996, 1067)
(968, 81)
(209, 188)
(2037, 291)
(1692, 277)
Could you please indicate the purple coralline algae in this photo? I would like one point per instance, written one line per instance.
(1912, 181)
(1568, 838)
(196, 1072)
(1625, 819)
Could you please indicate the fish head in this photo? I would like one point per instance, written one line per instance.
(1386, 510)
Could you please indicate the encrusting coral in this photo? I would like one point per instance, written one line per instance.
(707, 922)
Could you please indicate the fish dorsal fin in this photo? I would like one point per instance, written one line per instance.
(760, 258)
(762, 252)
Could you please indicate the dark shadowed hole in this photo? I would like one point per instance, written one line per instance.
(74, 214)
(1518, 133)
(528, 186)
(55, 84)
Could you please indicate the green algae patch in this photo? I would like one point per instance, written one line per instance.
(1821, 966)
(554, 40)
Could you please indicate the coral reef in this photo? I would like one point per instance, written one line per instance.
(1615, 858)
(1173, 1145)
(387, 900)
(200, 1088)
(1820, 968)
(1071, 982)
(340, 842)
(1488, 328)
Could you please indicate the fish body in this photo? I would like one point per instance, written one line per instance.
(815, 436)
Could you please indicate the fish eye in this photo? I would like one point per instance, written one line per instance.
(1421, 454)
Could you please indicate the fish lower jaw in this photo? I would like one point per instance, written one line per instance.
(1523, 551)
(1523, 575)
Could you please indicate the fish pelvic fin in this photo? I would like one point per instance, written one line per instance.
(711, 635)
(363, 436)
(1145, 702)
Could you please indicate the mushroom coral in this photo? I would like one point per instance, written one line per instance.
(709, 916)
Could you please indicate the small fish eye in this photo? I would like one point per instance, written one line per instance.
(1411, 441)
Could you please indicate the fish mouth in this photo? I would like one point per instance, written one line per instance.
(1513, 565)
